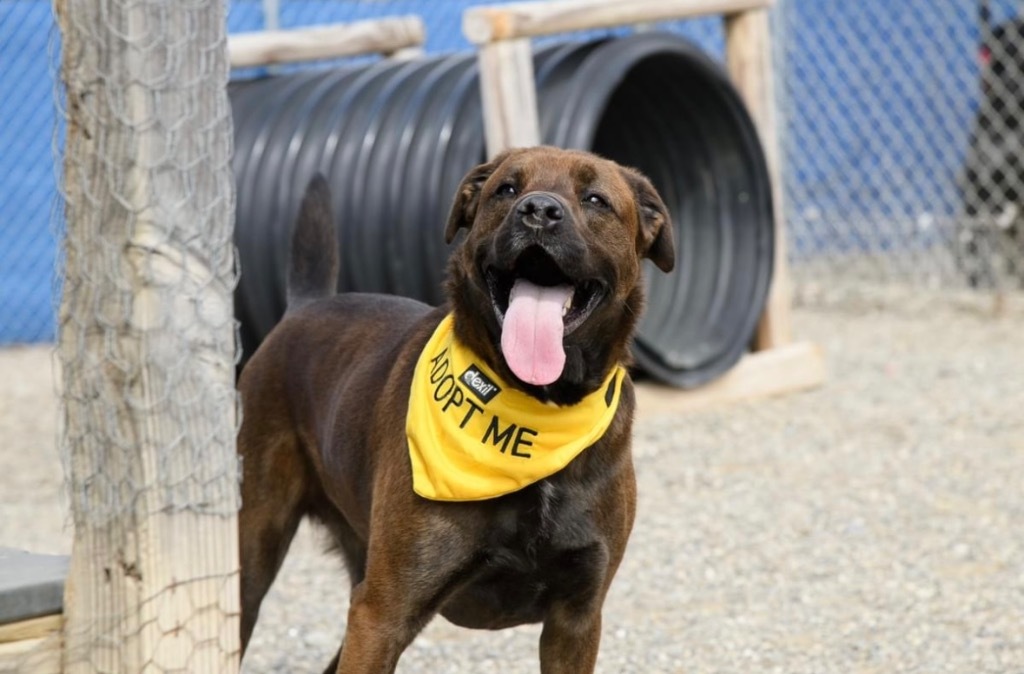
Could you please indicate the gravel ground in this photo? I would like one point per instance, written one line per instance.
(874, 525)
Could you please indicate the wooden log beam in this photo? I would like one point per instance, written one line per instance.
(379, 36)
(509, 95)
(33, 628)
(510, 112)
(37, 655)
(482, 25)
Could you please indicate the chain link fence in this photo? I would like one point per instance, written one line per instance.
(901, 137)
(901, 141)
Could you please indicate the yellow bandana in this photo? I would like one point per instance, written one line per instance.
(472, 437)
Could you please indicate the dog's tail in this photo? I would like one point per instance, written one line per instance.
(314, 263)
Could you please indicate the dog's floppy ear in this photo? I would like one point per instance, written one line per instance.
(654, 238)
(467, 198)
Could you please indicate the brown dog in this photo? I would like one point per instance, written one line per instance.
(544, 294)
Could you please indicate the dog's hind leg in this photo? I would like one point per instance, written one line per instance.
(353, 551)
(273, 504)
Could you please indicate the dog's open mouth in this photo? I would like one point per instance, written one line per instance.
(538, 304)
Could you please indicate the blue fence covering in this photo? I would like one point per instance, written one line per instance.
(884, 133)
(27, 246)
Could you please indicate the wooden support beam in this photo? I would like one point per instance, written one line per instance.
(379, 36)
(749, 60)
(32, 646)
(33, 628)
(510, 113)
(40, 655)
(509, 95)
(785, 369)
(482, 25)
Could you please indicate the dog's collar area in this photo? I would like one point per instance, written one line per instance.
(472, 436)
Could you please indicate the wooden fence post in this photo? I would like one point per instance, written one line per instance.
(501, 32)
(749, 59)
(146, 339)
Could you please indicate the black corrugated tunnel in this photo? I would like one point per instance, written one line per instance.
(395, 138)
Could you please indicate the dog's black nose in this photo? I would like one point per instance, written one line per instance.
(540, 211)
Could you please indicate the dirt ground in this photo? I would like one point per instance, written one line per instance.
(873, 525)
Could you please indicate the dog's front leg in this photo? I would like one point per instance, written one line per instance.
(570, 640)
(416, 560)
(380, 627)
(572, 624)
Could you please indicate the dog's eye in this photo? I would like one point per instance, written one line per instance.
(595, 200)
(506, 190)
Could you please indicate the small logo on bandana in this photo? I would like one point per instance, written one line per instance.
(480, 384)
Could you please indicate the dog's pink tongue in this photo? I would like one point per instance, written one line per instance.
(531, 335)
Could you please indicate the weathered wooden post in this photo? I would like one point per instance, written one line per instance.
(146, 338)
